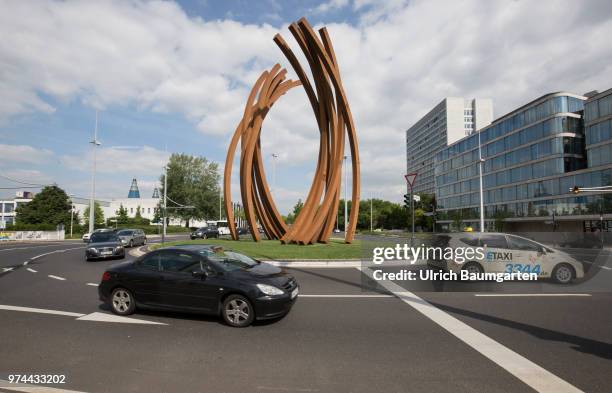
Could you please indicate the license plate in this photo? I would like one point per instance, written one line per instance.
(294, 293)
(105, 253)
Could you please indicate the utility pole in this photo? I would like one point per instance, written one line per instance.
(219, 202)
(371, 221)
(345, 201)
(165, 195)
(95, 143)
(71, 213)
(480, 163)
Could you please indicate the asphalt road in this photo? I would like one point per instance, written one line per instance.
(345, 334)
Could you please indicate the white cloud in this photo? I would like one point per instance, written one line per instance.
(330, 5)
(399, 61)
(23, 154)
(143, 161)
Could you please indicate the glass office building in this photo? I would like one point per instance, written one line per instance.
(532, 157)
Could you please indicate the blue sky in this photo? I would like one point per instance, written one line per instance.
(175, 75)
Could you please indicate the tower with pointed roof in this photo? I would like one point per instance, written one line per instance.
(134, 192)
(155, 193)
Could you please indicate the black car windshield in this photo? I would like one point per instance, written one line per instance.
(229, 260)
(100, 237)
(125, 233)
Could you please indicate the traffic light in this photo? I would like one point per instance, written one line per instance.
(576, 190)
(407, 201)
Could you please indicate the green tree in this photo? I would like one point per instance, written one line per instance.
(297, 208)
(122, 215)
(98, 215)
(50, 206)
(192, 181)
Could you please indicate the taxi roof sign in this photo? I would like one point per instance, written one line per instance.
(410, 178)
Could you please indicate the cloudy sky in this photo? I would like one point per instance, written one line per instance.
(175, 75)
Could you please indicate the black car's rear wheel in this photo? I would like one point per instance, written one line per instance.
(237, 311)
(122, 302)
(131, 243)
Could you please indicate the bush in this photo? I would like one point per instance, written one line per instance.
(31, 227)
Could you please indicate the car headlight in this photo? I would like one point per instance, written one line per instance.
(93, 249)
(269, 289)
(118, 248)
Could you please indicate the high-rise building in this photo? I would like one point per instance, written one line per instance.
(449, 121)
(533, 156)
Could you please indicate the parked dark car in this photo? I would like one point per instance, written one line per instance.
(132, 237)
(202, 279)
(242, 231)
(205, 233)
(104, 245)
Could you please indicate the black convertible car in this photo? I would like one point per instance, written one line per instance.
(203, 279)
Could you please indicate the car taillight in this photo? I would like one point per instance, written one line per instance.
(106, 276)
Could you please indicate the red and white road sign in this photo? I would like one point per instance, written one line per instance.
(410, 178)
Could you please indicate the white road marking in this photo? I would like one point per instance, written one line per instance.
(524, 369)
(32, 270)
(7, 269)
(56, 277)
(91, 284)
(530, 294)
(40, 311)
(54, 252)
(95, 316)
(346, 296)
(606, 267)
(32, 388)
(101, 317)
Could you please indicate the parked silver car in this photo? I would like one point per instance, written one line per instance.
(132, 237)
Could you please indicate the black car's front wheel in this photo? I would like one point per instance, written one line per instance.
(122, 302)
(237, 311)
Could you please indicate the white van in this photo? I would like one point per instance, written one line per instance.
(505, 253)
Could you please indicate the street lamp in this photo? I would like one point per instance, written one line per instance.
(95, 142)
(345, 188)
(274, 157)
(480, 163)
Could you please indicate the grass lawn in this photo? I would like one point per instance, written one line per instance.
(274, 250)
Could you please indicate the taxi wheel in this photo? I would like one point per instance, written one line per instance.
(122, 302)
(473, 267)
(237, 311)
(563, 273)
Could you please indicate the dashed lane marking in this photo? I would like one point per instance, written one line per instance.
(32, 270)
(532, 294)
(7, 269)
(538, 378)
(56, 277)
(91, 284)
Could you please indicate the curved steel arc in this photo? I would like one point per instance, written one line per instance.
(328, 100)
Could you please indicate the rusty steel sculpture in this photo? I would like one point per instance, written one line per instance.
(315, 222)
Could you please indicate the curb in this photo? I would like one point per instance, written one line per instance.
(137, 252)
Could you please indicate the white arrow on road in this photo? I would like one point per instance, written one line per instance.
(94, 316)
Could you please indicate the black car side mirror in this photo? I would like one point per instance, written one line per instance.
(199, 274)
